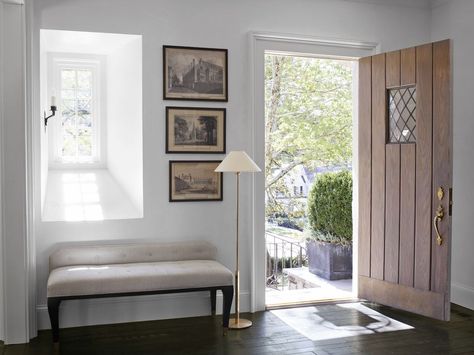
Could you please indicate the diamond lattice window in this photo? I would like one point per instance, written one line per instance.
(401, 115)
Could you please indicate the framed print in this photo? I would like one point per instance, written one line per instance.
(195, 130)
(193, 73)
(195, 180)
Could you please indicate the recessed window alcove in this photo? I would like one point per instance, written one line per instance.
(91, 149)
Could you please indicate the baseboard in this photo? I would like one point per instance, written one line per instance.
(76, 313)
(462, 295)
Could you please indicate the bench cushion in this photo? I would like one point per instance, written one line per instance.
(81, 280)
(131, 253)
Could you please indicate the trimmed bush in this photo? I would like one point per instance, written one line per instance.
(330, 208)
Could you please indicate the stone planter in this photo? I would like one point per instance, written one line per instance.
(329, 261)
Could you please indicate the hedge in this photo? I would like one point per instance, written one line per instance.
(330, 208)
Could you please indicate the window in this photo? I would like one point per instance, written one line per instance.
(76, 114)
(401, 115)
(76, 133)
(90, 163)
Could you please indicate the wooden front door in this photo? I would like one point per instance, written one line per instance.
(405, 179)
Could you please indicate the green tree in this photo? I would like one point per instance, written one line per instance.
(308, 120)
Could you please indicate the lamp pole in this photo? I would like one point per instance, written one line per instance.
(237, 268)
(238, 323)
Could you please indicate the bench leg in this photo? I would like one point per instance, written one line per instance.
(213, 301)
(228, 293)
(53, 310)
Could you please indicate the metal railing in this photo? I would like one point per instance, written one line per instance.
(282, 253)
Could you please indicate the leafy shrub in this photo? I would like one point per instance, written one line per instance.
(294, 220)
(330, 208)
(288, 223)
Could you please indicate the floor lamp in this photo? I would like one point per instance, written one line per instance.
(237, 162)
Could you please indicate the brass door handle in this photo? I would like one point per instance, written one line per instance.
(438, 218)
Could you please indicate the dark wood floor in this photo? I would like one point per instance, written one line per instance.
(269, 335)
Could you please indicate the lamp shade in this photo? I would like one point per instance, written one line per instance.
(237, 162)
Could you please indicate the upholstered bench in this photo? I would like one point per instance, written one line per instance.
(78, 272)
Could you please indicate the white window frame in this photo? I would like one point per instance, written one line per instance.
(96, 63)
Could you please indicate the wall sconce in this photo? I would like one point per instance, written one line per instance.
(53, 110)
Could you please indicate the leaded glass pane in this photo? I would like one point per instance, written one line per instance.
(84, 79)
(68, 78)
(84, 140)
(69, 142)
(68, 94)
(68, 108)
(84, 94)
(401, 115)
(84, 120)
(83, 107)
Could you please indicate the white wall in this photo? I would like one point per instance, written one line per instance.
(454, 19)
(220, 24)
(124, 120)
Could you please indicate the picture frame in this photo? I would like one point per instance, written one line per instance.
(195, 130)
(195, 73)
(195, 180)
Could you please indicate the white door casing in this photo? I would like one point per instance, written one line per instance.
(259, 43)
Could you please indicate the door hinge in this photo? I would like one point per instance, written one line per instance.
(450, 209)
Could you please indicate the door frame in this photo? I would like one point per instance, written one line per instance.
(259, 43)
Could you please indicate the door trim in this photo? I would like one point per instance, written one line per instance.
(259, 43)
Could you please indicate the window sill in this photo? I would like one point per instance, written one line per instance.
(57, 165)
(84, 195)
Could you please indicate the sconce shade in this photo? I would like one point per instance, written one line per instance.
(237, 162)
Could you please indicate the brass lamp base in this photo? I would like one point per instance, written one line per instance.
(242, 324)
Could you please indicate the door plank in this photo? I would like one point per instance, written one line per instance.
(392, 76)
(407, 183)
(365, 160)
(408, 66)
(407, 214)
(442, 158)
(392, 183)
(410, 299)
(423, 167)
(392, 212)
(378, 166)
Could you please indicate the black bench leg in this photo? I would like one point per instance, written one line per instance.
(213, 301)
(228, 293)
(53, 310)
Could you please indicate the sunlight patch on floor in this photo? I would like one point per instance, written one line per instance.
(338, 321)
